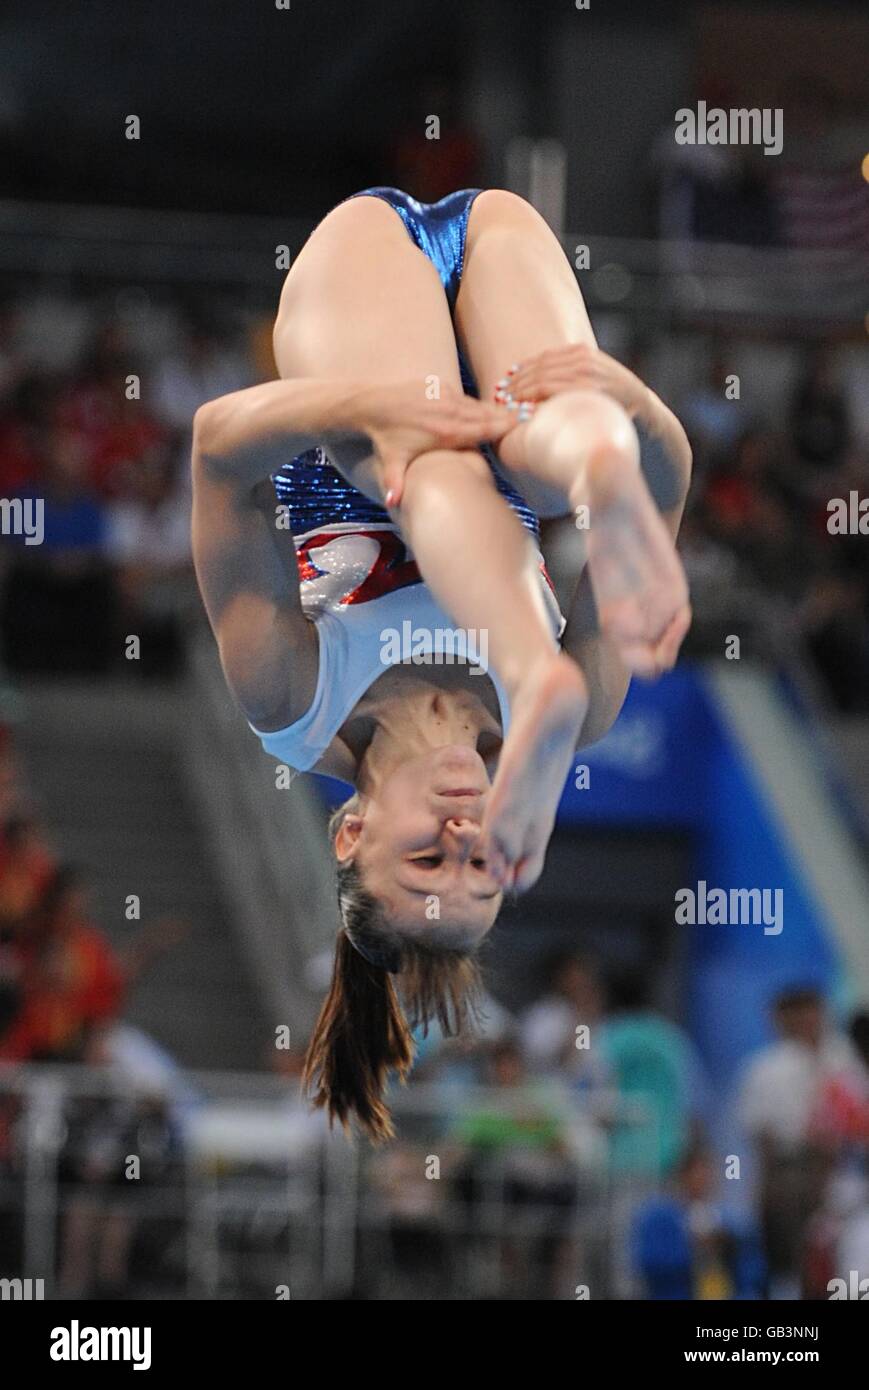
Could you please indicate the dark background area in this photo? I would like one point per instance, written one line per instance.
(248, 108)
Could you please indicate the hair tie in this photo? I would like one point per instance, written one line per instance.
(386, 958)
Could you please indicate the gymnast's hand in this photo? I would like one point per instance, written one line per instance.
(402, 424)
(580, 365)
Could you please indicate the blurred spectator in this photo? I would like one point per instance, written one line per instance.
(24, 411)
(735, 491)
(658, 1073)
(10, 788)
(710, 566)
(70, 978)
(114, 429)
(818, 421)
(26, 866)
(783, 1087)
(713, 421)
(836, 1242)
(119, 1150)
(713, 192)
(205, 367)
(519, 1155)
(548, 1029)
(832, 617)
(57, 611)
(688, 1245)
(428, 165)
(148, 543)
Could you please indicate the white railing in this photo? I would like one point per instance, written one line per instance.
(316, 1211)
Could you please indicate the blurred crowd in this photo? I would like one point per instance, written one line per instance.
(760, 535)
(574, 1148)
(600, 1162)
(96, 403)
(811, 196)
(95, 420)
(592, 1156)
(63, 991)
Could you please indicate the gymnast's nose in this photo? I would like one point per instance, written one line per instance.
(463, 833)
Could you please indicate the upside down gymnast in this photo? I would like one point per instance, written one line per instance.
(440, 391)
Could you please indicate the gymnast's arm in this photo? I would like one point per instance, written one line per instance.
(245, 563)
(665, 458)
(249, 585)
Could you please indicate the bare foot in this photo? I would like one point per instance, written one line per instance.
(637, 577)
(545, 719)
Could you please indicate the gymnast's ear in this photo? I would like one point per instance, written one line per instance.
(346, 836)
(360, 1036)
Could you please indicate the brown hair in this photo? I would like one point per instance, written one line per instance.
(363, 1032)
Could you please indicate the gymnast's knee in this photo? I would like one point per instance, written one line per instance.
(431, 477)
(586, 426)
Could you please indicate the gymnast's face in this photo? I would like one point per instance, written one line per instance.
(415, 840)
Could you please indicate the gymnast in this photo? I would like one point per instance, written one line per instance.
(440, 391)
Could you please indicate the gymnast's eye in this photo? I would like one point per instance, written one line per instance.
(478, 863)
(428, 861)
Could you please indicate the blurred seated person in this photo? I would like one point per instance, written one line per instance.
(71, 980)
(23, 410)
(688, 1245)
(840, 1114)
(114, 429)
(521, 1155)
(713, 421)
(785, 1088)
(11, 781)
(548, 1027)
(738, 485)
(205, 365)
(819, 425)
(432, 165)
(26, 865)
(57, 608)
(832, 618)
(148, 545)
(659, 1077)
(109, 1204)
(70, 977)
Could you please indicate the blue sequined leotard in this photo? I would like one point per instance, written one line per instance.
(314, 492)
(358, 581)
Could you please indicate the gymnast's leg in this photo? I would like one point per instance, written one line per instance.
(362, 302)
(518, 298)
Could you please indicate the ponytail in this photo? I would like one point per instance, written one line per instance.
(360, 1036)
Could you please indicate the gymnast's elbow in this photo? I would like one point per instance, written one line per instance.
(209, 434)
(222, 443)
